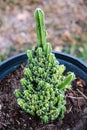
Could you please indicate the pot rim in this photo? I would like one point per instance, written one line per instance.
(77, 61)
(22, 57)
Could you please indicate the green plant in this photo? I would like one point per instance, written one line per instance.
(76, 46)
(44, 85)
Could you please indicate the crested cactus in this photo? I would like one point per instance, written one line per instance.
(44, 85)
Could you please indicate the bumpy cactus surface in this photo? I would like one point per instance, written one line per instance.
(44, 85)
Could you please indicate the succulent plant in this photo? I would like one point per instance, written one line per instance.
(44, 84)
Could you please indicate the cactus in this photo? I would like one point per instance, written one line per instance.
(44, 85)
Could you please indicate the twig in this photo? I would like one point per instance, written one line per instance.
(73, 92)
(50, 125)
(79, 98)
(68, 111)
(82, 94)
(3, 124)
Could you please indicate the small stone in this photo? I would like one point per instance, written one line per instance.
(30, 118)
(0, 106)
(30, 128)
(58, 48)
(85, 111)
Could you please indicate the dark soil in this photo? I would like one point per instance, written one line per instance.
(13, 118)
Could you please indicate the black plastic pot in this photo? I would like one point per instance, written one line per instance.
(72, 64)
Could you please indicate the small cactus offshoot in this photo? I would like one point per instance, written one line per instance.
(44, 85)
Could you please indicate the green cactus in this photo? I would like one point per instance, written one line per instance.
(44, 85)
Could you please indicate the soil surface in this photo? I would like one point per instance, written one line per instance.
(17, 23)
(13, 118)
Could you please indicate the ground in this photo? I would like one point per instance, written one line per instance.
(64, 19)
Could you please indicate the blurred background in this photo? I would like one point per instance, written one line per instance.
(66, 24)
